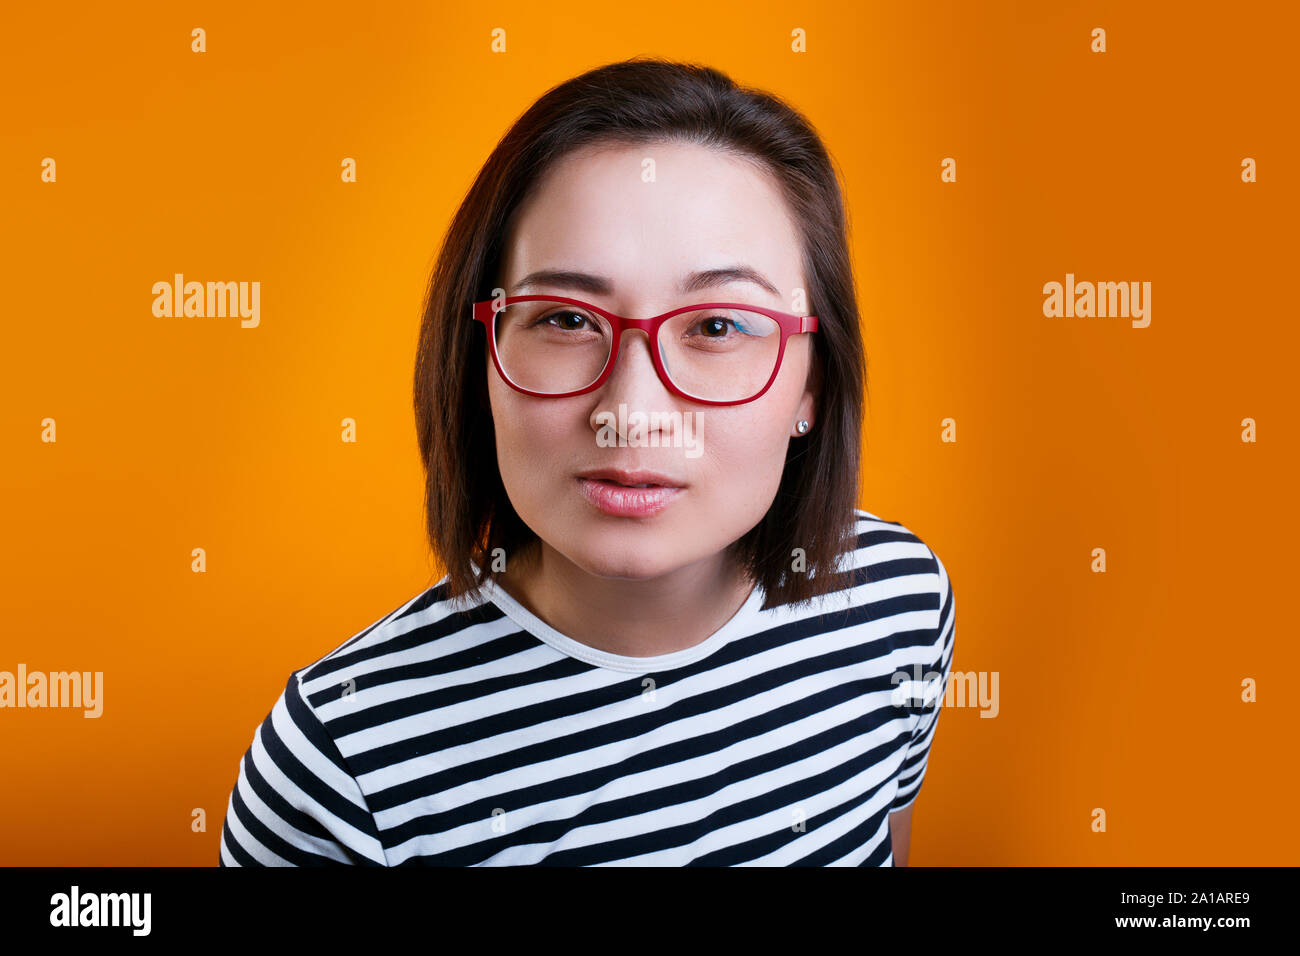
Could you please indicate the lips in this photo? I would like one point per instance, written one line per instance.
(631, 479)
(619, 501)
(628, 494)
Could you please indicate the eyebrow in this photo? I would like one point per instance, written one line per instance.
(599, 285)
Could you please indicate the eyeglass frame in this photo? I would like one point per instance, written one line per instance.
(790, 324)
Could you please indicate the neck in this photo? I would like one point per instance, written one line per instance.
(630, 617)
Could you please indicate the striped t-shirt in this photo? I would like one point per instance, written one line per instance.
(465, 733)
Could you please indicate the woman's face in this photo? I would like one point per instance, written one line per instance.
(596, 212)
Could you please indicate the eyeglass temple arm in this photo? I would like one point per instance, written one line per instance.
(808, 323)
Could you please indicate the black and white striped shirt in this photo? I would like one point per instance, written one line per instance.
(472, 733)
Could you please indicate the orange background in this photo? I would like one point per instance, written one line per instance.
(1118, 690)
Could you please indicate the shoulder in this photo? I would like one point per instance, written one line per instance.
(888, 564)
(396, 638)
(323, 700)
(298, 799)
(880, 548)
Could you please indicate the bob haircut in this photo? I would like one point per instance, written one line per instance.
(643, 100)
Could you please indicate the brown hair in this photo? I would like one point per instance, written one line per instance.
(645, 99)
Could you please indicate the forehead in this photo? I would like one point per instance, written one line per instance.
(647, 214)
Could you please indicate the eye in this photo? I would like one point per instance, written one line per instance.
(715, 327)
(563, 324)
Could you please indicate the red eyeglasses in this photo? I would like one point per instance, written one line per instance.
(714, 353)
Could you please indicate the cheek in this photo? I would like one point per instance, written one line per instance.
(533, 436)
(767, 424)
(746, 450)
(514, 439)
(746, 446)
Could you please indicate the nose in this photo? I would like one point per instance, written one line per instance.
(633, 382)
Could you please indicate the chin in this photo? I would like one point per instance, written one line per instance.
(612, 555)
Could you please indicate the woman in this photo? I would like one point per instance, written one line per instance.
(666, 634)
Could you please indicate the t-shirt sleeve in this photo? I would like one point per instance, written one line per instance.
(912, 771)
(295, 803)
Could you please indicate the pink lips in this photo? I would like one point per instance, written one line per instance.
(614, 498)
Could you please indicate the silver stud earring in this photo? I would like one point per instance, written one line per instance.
(802, 426)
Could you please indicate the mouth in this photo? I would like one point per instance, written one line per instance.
(617, 478)
(619, 484)
(628, 494)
